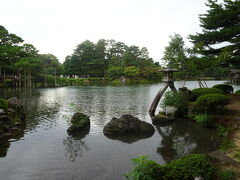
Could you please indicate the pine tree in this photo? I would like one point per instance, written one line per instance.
(220, 37)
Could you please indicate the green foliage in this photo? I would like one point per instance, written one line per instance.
(185, 168)
(131, 71)
(174, 99)
(226, 174)
(4, 105)
(202, 91)
(210, 103)
(220, 26)
(175, 53)
(226, 145)
(145, 169)
(193, 165)
(237, 92)
(114, 72)
(224, 87)
(222, 131)
(203, 119)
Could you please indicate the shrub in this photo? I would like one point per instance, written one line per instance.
(237, 92)
(145, 169)
(224, 87)
(4, 105)
(202, 91)
(210, 103)
(185, 168)
(174, 99)
(203, 119)
(193, 165)
(226, 174)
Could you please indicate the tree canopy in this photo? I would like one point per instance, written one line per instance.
(220, 37)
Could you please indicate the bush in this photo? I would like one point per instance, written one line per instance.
(193, 165)
(210, 103)
(237, 92)
(202, 91)
(224, 87)
(203, 119)
(145, 169)
(225, 174)
(174, 99)
(4, 105)
(185, 168)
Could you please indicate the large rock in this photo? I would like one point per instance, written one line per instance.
(15, 108)
(79, 122)
(127, 124)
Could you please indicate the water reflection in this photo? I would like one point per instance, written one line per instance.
(129, 138)
(184, 137)
(75, 146)
(5, 141)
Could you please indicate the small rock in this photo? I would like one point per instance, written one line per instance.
(198, 178)
(1, 112)
(79, 121)
(17, 123)
(128, 124)
(4, 118)
(15, 129)
(7, 134)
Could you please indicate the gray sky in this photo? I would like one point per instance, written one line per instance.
(57, 26)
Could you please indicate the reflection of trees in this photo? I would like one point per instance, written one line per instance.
(129, 138)
(15, 136)
(74, 144)
(185, 137)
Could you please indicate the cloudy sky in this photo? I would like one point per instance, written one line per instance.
(57, 26)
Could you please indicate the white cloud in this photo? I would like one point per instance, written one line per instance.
(57, 26)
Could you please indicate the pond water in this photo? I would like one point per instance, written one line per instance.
(46, 151)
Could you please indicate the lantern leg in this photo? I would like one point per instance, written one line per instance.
(172, 87)
(157, 99)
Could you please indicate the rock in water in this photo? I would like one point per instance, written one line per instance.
(16, 108)
(127, 124)
(79, 121)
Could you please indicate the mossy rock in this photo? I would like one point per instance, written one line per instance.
(128, 124)
(79, 122)
(163, 119)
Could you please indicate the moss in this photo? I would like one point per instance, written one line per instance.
(202, 91)
(224, 87)
(186, 168)
(193, 165)
(226, 145)
(226, 174)
(210, 103)
(237, 92)
(4, 104)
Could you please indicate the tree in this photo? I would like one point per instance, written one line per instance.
(220, 37)
(131, 71)
(175, 53)
(10, 49)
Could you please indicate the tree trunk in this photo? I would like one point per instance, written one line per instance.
(55, 79)
(30, 78)
(45, 77)
(20, 80)
(25, 77)
(4, 75)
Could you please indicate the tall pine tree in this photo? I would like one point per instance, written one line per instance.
(220, 37)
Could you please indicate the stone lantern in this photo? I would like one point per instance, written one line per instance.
(168, 81)
(168, 74)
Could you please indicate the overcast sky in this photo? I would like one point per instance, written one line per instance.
(57, 26)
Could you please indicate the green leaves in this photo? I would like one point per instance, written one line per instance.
(220, 26)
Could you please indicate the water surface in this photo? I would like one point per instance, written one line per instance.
(46, 151)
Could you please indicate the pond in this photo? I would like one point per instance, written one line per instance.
(46, 151)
